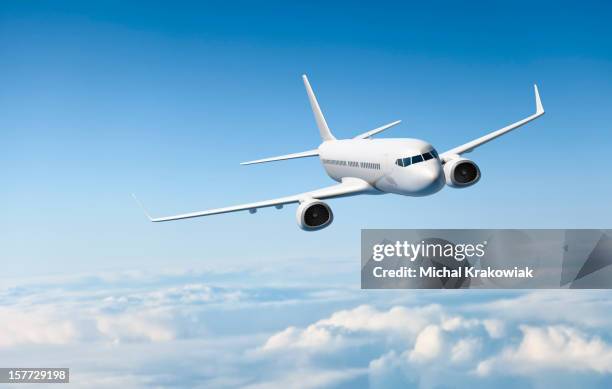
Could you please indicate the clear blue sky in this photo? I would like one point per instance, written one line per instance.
(98, 100)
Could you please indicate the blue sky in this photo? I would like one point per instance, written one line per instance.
(102, 99)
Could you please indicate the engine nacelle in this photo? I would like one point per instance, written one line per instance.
(314, 215)
(461, 173)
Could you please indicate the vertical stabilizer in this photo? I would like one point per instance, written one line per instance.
(316, 110)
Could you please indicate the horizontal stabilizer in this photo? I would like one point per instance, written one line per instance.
(375, 131)
(303, 154)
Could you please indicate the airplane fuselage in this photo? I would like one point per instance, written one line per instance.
(379, 162)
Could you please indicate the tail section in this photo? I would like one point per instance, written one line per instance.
(326, 134)
(316, 110)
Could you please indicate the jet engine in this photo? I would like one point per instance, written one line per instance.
(314, 215)
(461, 173)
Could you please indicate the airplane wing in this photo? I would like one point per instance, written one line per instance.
(466, 148)
(348, 187)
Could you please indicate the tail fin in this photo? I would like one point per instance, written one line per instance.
(316, 110)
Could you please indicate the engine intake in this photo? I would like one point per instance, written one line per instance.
(314, 215)
(461, 173)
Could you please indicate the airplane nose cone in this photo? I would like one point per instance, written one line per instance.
(432, 178)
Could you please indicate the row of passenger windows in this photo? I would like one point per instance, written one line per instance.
(364, 165)
(417, 158)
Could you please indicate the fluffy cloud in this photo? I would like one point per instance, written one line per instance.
(34, 326)
(397, 320)
(465, 349)
(147, 326)
(428, 344)
(351, 326)
(588, 308)
(310, 378)
(182, 330)
(314, 337)
(550, 348)
(495, 327)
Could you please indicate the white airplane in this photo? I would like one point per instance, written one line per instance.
(361, 165)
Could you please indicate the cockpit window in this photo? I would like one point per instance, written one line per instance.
(404, 162)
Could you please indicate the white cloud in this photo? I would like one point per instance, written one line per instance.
(139, 326)
(465, 349)
(178, 331)
(34, 326)
(309, 379)
(576, 307)
(428, 344)
(398, 320)
(344, 326)
(495, 328)
(551, 347)
(314, 337)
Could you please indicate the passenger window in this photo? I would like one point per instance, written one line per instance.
(427, 156)
(417, 159)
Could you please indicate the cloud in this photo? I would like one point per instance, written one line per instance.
(551, 348)
(495, 328)
(34, 326)
(465, 349)
(574, 307)
(428, 344)
(398, 320)
(349, 326)
(141, 326)
(314, 337)
(183, 330)
(310, 378)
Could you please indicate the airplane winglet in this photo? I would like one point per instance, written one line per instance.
(142, 207)
(539, 107)
(467, 147)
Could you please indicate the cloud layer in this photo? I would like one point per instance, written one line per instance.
(193, 329)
